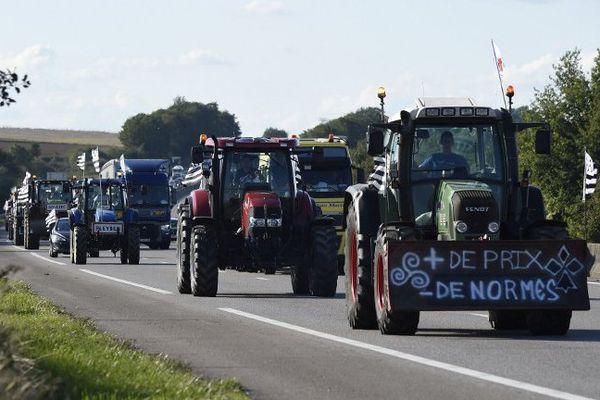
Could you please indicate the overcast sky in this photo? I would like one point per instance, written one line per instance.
(287, 64)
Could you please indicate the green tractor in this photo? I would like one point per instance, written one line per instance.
(446, 223)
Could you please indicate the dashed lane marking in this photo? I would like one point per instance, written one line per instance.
(262, 279)
(593, 283)
(484, 376)
(138, 285)
(46, 259)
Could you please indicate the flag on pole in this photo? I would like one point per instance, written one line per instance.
(27, 177)
(96, 159)
(590, 176)
(81, 161)
(499, 59)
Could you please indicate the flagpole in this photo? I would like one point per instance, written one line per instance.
(584, 206)
(498, 71)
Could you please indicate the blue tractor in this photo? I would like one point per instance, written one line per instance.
(101, 220)
(148, 191)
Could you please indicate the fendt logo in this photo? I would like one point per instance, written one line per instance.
(477, 209)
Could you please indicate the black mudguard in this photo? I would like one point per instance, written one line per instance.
(365, 200)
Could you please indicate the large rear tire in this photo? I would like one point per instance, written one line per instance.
(133, 245)
(323, 270)
(548, 322)
(204, 266)
(183, 254)
(360, 306)
(165, 244)
(10, 232)
(80, 243)
(390, 322)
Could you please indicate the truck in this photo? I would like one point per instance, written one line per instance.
(35, 200)
(326, 171)
(248, 214)
(451, 225)
(101, 220)
(148, 191)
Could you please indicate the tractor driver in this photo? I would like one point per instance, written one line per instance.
(446, 159)
(246, 172)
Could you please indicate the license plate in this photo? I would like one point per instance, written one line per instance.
(108, 228)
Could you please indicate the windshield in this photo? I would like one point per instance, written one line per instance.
(145, 195)
(62, 225)
(469, 151)
(268, 170)
(110, 198)
(54, 193)
(326, 179)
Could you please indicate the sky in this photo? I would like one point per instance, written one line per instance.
(277, 63)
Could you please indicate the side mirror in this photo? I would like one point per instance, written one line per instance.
(173, 196)
(374, 141)
(542, 141)
(360, 175)
(197, 154)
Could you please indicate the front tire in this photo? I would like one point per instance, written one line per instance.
(133, 245)
(299, 277)
(80, 244)
(18, 237)
(204, 266)
(390, 322)
(360, 306)
(183, 254)
(323, 271)
(51, 251)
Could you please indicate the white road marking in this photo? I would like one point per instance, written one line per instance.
(593, 283)
(262, 279)
(139, 285)
(414, 358)
(479, 315)
(46, 259)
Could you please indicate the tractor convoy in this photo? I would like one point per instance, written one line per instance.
(446, 222)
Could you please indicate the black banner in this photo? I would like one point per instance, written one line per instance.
(487, 275)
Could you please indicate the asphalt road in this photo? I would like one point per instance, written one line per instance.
(282, 346)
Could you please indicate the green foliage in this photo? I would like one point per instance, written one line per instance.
(91, 365)
(360, 158)
(172, 131)
(570, 104)
(352, 125)
(274, 132)
(10, 82)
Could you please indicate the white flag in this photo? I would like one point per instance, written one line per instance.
(81, 161)
(96, 159)
(590, 176)
(499, 60)
(27, 177)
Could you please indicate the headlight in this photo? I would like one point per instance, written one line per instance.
(257, 222)
(274, 222)
(493, 227)
(461, 227)
(165, 227)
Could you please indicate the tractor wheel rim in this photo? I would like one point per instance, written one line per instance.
(353, 264)
(380, 287)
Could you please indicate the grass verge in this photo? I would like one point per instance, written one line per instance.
(74, 360)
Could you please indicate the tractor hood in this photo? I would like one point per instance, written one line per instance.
(466, 210)
(261, 210)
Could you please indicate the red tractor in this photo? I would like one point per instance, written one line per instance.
(248, 214)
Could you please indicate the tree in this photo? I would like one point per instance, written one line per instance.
(353, 125)
(9, 82)
(171, 132)
(570, 104)
(274, 132)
